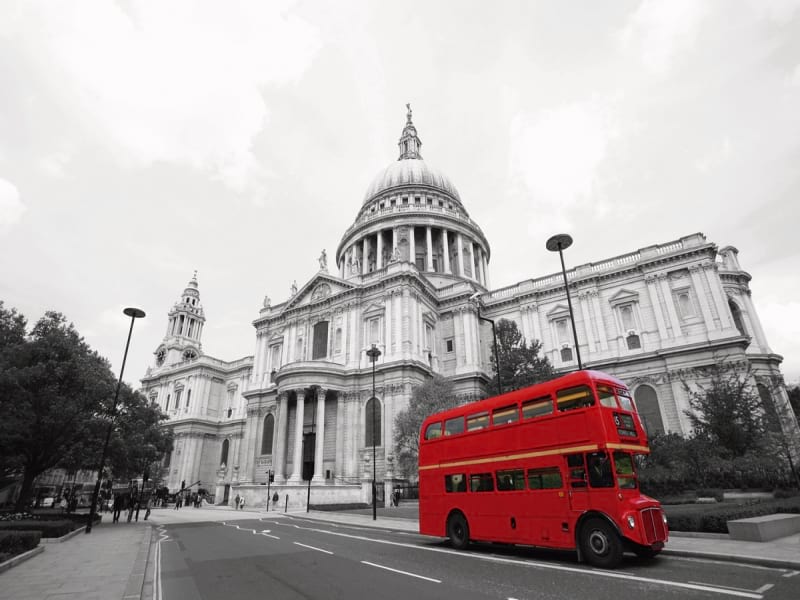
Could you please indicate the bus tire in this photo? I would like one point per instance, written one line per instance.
(458, 531)
(600, 544)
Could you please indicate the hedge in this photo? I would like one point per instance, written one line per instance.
(48, 529)
(713, 518)
(17, 542)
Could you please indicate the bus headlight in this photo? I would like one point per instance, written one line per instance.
(664, 517)
(631, 521)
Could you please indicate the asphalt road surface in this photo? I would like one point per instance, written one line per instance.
(290, 557)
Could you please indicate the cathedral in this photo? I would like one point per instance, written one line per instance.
(402, 300)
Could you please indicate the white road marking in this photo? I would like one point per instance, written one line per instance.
(765, 587)
(541, 565)
(791, 573)
(313, 548)
(730, 587)
(401, 572)
(274, 537)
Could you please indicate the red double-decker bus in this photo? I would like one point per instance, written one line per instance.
(549, 465)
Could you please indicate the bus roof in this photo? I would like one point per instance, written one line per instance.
(574, 378)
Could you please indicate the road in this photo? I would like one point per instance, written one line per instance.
(290, 557)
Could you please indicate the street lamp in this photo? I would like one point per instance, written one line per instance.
(559, 242)
(373, 354)
(476, 298)
(133, 313)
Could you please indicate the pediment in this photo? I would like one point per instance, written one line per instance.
(557, 312)
(624, 296)
(320, 288)
(374, 310)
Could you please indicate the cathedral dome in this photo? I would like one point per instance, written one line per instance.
(410, 172)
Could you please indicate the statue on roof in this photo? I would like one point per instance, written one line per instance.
(408, 114)
(323, 261)
(294, 288)
(266, 301)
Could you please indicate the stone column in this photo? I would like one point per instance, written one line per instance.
(673, 314)
(319, 440)
(387, 303)
(650, 282)
(718, 294)
(364, 256)
(472, 261)
(338, 464)
(297, 456)
(694, 272)
(761, 339)
(394, 239)
(446, 251)
(485, 270)
(379, 250)
(460, 242)
(602, 334)
(429, 249)
(412, 246)
(282, 435)
(583, 301)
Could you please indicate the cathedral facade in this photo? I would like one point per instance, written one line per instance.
(310, 407)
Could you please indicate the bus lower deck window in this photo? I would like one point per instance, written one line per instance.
(548, 478)
(455, 483)
(510, 480)
(481, 482)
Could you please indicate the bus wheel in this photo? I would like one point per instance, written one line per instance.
(458, 531)
(601, 544)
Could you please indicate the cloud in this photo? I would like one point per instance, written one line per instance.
(658, 31)
(555, 156)
(11, 207)
(178, 81)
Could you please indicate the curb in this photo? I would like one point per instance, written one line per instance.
(775, 563)
(20, 558)
(135, 585)
(64, 538)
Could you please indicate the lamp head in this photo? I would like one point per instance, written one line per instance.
(560, 241)
(136, 313)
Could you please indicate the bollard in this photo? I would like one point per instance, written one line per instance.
(286, 507)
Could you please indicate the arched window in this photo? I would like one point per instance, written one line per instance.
(773, 421)
(372, 433)
(223, 457)
(320, 348)
(649, 412)
(266, 439)
(737, 317)
(566, 354)
(634, 343)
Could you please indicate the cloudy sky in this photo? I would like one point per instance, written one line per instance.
(141, 140)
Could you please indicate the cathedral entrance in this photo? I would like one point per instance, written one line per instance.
(309, 445)
(226, 494)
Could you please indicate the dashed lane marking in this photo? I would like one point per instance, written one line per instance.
(313, 548)
(401, 572)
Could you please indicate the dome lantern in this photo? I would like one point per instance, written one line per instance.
(409, 143)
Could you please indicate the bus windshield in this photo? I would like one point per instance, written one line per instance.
(626, 473)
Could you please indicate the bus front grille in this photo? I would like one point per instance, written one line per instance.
(654, 529)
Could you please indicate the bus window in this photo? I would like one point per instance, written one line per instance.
(433, 431)
(577, 470)
(537, 407)
(481, 482)
(626, 474)
(600, 475)
(455, 483)
(544, 479)
(576, 397)
(479, 421)
(454, 426)
(505, 415)
(625, 399)
(606, 395)
(513, 479)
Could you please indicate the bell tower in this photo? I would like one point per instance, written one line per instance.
(184, 328)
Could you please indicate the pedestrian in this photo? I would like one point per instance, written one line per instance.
(397, 496)
(242, 503)
(117, 507)
(236, 501)
(64, 504)
(147, 507)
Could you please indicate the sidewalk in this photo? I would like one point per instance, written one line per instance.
(107, 564)
(782, 553)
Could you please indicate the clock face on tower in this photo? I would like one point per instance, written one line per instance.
(160, 356)
(189, 354)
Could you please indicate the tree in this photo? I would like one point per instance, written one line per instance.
(433, 396)
(52, 388)
(728, 409)
(520, 363)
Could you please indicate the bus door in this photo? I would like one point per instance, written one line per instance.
(577, 484)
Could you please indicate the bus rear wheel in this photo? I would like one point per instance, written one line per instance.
(600, 544)
(458, 531)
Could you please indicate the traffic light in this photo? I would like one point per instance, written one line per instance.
(272, 476)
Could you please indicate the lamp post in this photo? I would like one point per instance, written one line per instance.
(133, 313)
(373, 354)
(559, 242)
(476, 299)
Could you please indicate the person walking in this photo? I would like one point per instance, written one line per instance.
(236, 501)
(147, 507)
(117, 507)
(242, 503)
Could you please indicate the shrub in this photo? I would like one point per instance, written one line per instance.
(48, 529)
(713, 518)
(17, 542)
(716, 493)
(781, 493)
